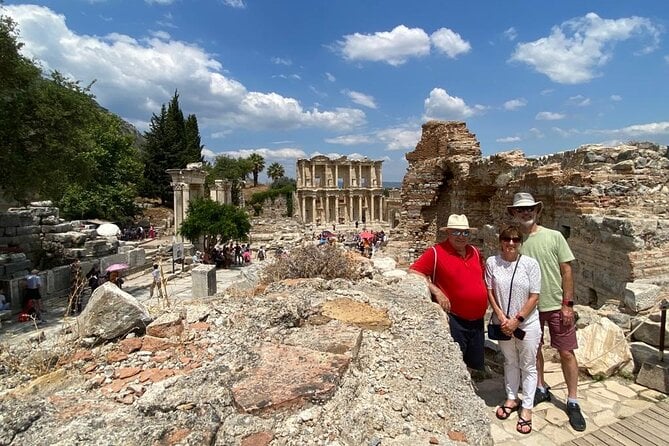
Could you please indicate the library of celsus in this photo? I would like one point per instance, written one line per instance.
(339, 190)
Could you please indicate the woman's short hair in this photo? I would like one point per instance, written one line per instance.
(509, 232)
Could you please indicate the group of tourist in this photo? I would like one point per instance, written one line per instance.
(528, 284)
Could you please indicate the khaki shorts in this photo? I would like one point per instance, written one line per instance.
(563, 337)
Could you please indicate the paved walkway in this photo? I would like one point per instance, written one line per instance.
(179, 287)
(603, 403)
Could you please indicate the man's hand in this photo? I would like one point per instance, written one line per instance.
(567, 315)
(441, 298)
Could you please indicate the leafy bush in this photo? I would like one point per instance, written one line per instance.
(258, 198)
(311, 261)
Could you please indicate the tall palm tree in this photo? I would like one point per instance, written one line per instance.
(275, 171)
(258, 165)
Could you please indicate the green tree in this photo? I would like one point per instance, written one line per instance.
(236, 170)
(211, 221)
(171, 142)
(275, 171)
(56, 140)
(258, 163)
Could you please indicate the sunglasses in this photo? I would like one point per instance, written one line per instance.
(515, 239)
(520, 209)
(457, 233)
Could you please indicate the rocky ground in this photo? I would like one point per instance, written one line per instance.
(298, 362)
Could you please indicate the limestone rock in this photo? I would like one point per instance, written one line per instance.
(111, 313)
(167, 325)
(384, 264)
(641, 296)
(648, 331)
(602, 348)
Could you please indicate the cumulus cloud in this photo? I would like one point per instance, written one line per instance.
(134, 76)
(616, 98)
(283, 154)
(441, 105)
(508, 139)
(651, 128)
(549, 116)
(449, 42)
(360, 98)
(574, 52)
(392, 47)
(394, 138)
(515, 104)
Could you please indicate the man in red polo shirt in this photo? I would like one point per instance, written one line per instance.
(455, 279)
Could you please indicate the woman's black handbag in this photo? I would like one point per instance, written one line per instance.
(495, 333)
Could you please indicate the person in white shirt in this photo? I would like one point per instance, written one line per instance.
(156, 281)
(514, 282)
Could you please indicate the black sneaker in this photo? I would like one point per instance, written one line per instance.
(541, 396)
(575, 417)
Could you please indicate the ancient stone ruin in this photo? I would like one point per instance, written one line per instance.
(609, 202)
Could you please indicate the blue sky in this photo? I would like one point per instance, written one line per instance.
(293, 79)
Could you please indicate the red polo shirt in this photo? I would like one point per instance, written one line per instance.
(461, 279)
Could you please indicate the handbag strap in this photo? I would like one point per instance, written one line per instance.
(508, 307)
(434, 268)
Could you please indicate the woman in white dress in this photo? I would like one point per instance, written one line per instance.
(514, 282)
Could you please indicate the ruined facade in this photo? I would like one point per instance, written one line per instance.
(339, 191)
(609, 202)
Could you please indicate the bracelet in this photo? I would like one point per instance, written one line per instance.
(520, 318)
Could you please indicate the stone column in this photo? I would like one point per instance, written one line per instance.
(178, 208)
(313, 209)
(360, 208)
(337, 208)
(381, 198)
(372, 216)
(303, 205)
(350, 208)
(336, 179)
(313, 175)
(380, 176)
(327, 207)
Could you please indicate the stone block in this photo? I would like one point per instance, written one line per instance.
(204, 280)
(62, 227)
(59, 280)
(649, 332)
(642, 352)
(136, 257)
(654, 375)
(641, 296)
(167, 325)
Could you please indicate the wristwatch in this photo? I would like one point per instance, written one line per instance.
(569, 303)
(520, 318)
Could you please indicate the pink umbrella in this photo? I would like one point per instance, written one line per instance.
(117, 267)
(366, 234)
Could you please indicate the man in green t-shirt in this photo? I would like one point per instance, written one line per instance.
(556, 300)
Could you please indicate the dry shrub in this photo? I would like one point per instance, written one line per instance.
(311, 261)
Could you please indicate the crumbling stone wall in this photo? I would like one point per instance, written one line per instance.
(610, 202)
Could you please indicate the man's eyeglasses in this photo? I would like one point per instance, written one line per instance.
(457, 233)
(520, 209)
(515, 239)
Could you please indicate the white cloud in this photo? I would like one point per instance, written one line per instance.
(360, 98)
(134, 76)
(399, 138)
(162, 35)
(616, 98)
(536, 133)
(548, 116)
(579, 101)
(286, 153)
(508, 139)
(449, 42)
(349, 140)
(652, 128)
(666, 59)
(281, 61)
(575, 51)
(393, 47)
(330, 77)
(515, 104)
(511, 34)
(441, 105)
(160, 2)
(239, 4)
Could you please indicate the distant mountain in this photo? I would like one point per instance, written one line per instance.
(392, 184)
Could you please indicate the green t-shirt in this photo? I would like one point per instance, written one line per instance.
(549, 248)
